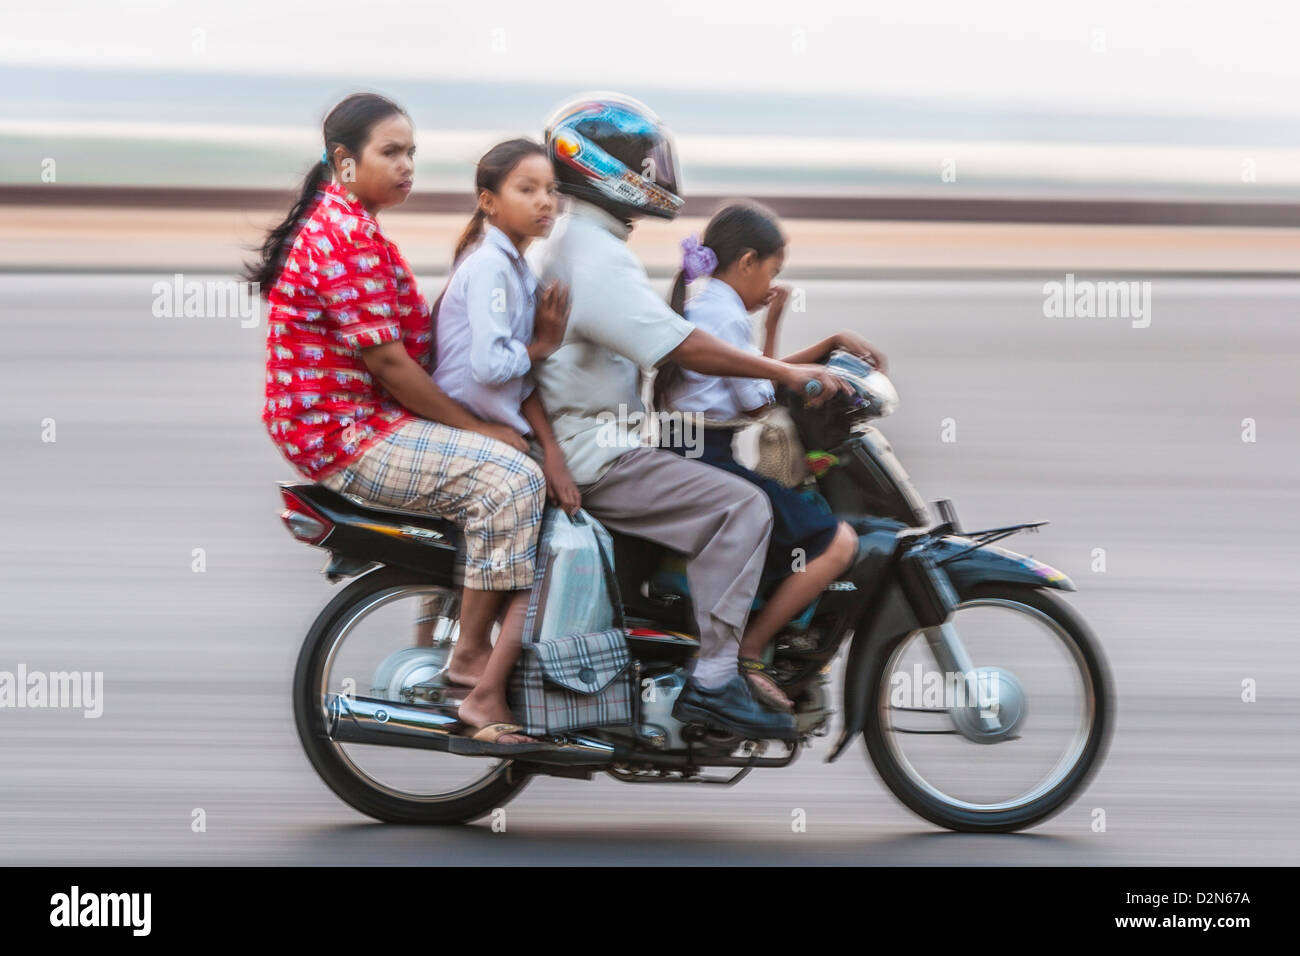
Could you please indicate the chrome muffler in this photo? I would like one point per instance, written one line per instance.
(367, 720)
(387, 723)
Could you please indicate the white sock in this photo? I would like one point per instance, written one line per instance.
(713, 672)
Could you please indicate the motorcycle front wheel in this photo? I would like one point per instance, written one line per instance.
(385, 632)
(1028, 740)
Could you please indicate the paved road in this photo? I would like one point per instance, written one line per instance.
(1128, 439)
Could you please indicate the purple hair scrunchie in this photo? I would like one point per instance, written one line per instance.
(697, 260)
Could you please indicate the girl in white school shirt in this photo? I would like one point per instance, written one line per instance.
(741, 252)
(491, 324)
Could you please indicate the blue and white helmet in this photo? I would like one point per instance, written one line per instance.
(611, 150)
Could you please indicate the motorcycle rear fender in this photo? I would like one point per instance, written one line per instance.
(364, 534)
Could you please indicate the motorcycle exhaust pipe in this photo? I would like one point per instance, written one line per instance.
(386, 723)
(365, 720)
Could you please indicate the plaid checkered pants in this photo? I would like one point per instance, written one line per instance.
(492, 492)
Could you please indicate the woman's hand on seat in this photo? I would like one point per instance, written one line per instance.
(504, 433)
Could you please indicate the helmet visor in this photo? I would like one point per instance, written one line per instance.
(660, 166)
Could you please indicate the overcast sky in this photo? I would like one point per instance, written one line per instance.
(1190, 57)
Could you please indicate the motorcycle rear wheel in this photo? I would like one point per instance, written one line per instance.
(500, 782)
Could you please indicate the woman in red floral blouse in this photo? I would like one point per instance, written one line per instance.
(350, 402)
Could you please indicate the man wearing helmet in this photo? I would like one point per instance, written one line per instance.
(615, 160)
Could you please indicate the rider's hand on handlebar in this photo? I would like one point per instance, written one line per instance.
(800, 375)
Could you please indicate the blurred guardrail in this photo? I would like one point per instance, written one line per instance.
(1065, 211)
(66, 227)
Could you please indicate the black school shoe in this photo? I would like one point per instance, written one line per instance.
(732, 707)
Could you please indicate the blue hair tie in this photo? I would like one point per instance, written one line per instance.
(325, 156)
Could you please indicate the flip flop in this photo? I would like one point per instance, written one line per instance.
(767, 689)
(493, 732)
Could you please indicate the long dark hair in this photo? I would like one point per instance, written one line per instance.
(735, 228)
(348, 125)
(492, 171)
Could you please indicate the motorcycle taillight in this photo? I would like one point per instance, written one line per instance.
(304, 522)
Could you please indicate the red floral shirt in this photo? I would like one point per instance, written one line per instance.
(344, 287)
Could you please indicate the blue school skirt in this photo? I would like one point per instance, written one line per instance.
(797, 521)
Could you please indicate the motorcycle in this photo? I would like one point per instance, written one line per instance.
(954, 740)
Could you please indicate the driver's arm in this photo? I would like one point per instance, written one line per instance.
(636, 323)
(709, 355)
(626, 315)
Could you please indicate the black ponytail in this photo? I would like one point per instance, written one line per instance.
(473, 232)
(266, 271)
(734, 229)
(348, 125)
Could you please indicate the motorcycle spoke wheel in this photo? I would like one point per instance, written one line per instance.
(1010, 748)
(389, 635)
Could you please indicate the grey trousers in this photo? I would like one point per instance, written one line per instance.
(719, 521)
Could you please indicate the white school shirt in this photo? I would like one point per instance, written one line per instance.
(484, 326)
(618, 324)
(719, 310)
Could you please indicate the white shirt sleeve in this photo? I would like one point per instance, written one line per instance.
(495, 355)
(626, 315)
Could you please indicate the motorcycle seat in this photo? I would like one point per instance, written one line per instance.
(343, 508)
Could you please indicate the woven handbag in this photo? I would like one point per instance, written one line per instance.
(780, 453)
(571, 680)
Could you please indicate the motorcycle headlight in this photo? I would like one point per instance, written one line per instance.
(874, 394)
(883, 394)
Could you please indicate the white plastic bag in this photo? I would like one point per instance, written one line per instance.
(572, 594)
(574, 669)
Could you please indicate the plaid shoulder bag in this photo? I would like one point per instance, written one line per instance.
(570, 681)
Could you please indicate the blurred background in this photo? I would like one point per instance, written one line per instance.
(935, 165)
(173, 127)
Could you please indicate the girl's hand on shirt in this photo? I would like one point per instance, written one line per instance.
(549, 321)
(852, 342)
(504, 433)
(559, 484)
